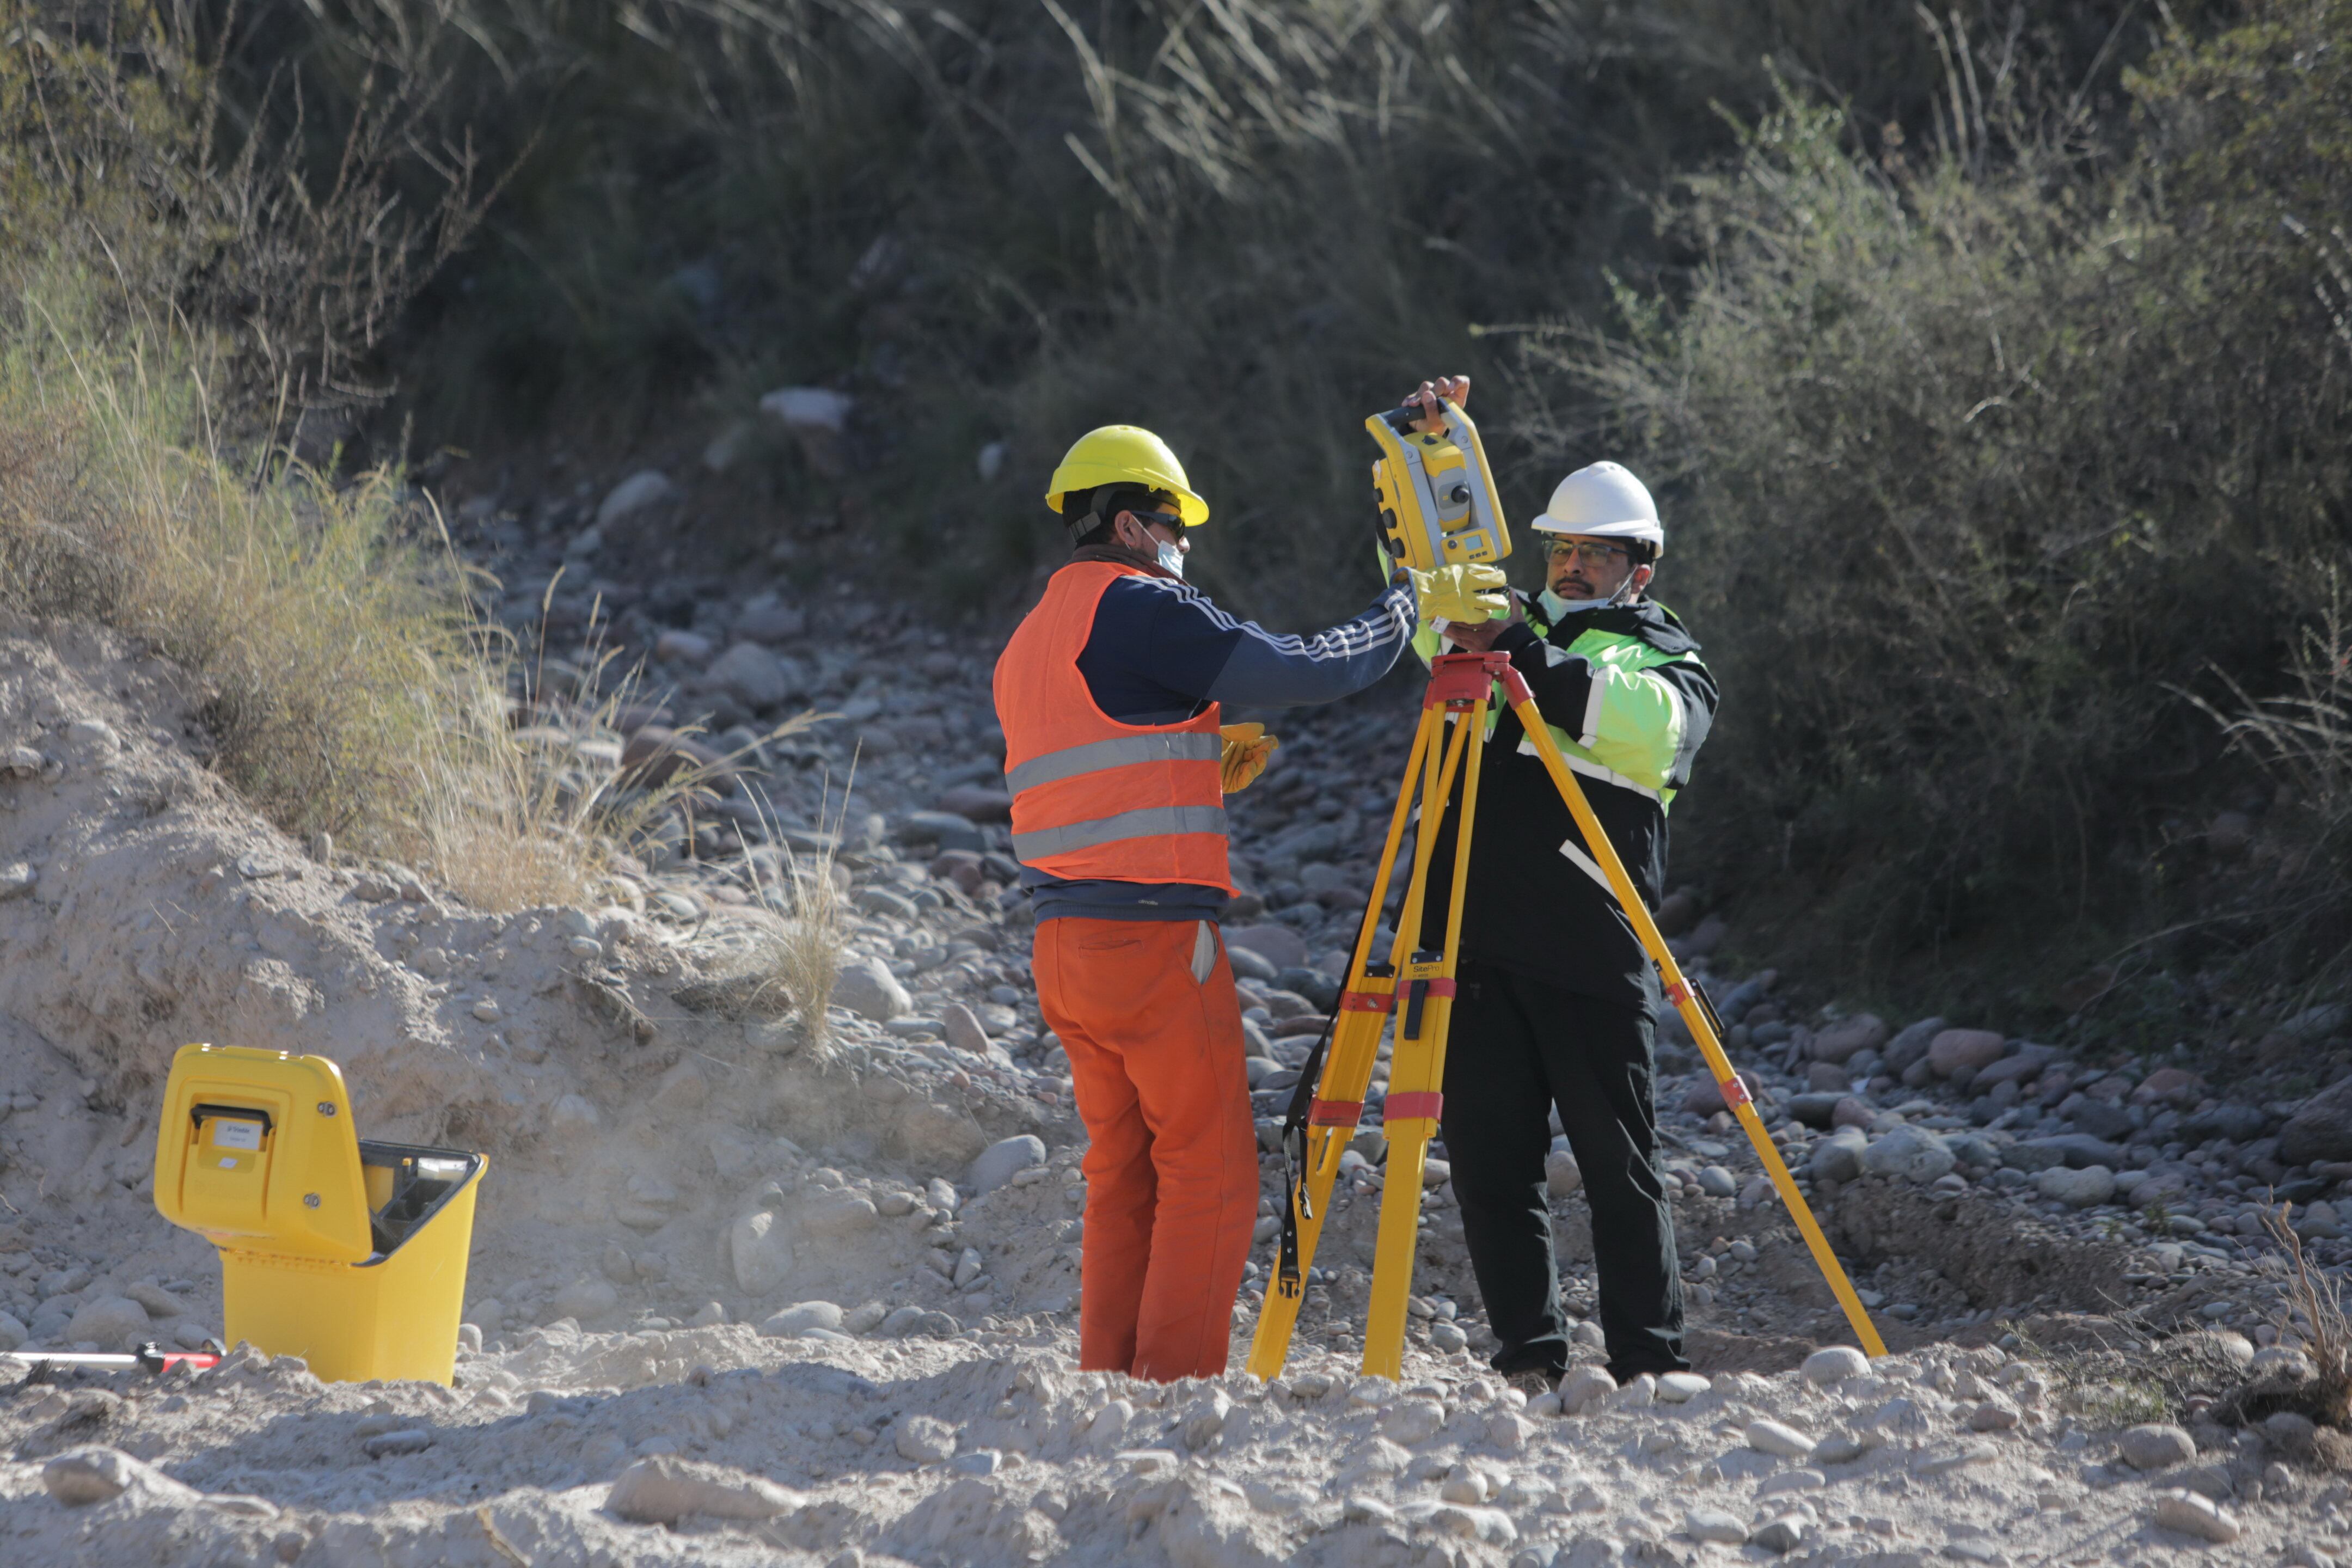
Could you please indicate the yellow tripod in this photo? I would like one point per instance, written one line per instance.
(1417, 988)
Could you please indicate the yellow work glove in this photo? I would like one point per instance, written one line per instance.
(1464, 593)
(1247, 746)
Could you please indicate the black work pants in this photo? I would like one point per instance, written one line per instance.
(1516, 1049)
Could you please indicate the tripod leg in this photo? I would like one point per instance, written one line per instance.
(1686, 1000)
(1347, 1072)
(1355, 1042)
(1424, 1009)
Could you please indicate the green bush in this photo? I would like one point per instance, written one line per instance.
(1977, 459)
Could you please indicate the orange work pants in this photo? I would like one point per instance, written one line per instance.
(1147, 1012)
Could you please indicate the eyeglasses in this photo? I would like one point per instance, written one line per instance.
(1169, 521)
(1587, 554)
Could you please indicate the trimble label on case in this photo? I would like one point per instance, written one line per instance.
(230, 1133)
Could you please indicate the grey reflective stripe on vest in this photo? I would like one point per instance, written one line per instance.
(1150, 823)
(1117, 752)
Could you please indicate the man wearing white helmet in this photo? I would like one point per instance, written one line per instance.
(1558, 1003)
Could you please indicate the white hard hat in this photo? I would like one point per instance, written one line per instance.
(1605, 501)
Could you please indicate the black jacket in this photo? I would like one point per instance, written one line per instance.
(1625, 685)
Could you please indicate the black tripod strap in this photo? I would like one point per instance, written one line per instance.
(1294, 1158)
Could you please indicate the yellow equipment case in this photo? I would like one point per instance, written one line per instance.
(346, 1252)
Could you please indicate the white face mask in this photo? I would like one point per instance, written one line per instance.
(1170, 558)
(1559, 606)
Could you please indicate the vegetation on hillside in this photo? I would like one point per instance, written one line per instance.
(1990, 364)
(1988, 459)
(175, 318)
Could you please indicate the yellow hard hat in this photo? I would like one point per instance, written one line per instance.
(1125, 455)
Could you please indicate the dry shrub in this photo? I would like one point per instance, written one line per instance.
(2313, 1316)
(294, 212)
(782, 974)
(1972, 451)
(2302, 738)
(311, 614)
(346, 683)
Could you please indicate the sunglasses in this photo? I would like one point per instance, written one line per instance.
(1174, 525)
(1587, 554)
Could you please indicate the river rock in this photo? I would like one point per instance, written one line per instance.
(2079, 1150)
(1277, 944)
(2020, 1067)
(111, 1322)
(2155, 1446)
(645, 489)
(1912, 1154)
(2092, 1184)
(2193, 1515)
(1780, 1441)
(1715, 1525)
(1836, 1364)
(962, 1028)
(1411, 1421)
(801, 1317)
(1838, 1157)
(925, 1440)
(1863, 1032)
(587, 1299)
(1682, 1387)
(977, 803)
(867, 988)
(662, 1489)
(86, 1476)
(1956, 1048)
(1815, 1110)
(1581, 1389)
(1002, 1161)
(751, 675)
(761, 1251)
(2321, 1129)
(1910, 1044)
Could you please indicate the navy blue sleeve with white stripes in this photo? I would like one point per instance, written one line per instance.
(1159, 650)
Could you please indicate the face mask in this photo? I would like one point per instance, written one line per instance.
(1559, 606)
(1171, 560)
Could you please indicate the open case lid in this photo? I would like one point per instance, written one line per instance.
(304, 1195)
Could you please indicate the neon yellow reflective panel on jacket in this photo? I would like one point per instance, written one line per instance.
(1632, 730)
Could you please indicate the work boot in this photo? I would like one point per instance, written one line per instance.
(1535, 1382)
(1541, 1356)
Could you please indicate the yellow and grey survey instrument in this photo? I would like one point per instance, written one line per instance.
(1438, 505)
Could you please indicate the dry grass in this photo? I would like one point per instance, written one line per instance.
(802, 961)
(2314, 1317)
(346, 679)
(782, 976)
(2302, 738)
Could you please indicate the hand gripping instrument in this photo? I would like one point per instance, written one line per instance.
(1438, 505)
(1414, 987)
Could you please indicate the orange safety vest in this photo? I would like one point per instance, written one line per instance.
(1094, 799)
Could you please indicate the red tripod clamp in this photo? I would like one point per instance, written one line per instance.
(1458, 679)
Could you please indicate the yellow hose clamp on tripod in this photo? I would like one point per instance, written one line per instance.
(1438, 505)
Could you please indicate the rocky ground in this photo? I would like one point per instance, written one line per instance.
(752, 1288)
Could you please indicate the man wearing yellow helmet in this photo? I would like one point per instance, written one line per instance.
(1111, 694)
